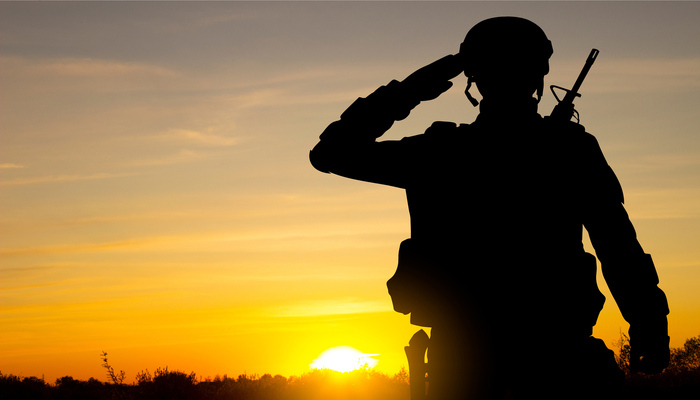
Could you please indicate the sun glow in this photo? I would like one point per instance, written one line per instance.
(344, 359)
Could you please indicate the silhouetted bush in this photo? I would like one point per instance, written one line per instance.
(166, 385)
(67, 388)
(680, 381)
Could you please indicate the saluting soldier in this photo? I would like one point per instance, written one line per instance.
(495, 262)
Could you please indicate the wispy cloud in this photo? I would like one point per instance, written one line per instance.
(10, 166)
(313, 85)
(638, 75)
(88, 67)
(318, 308)
(82, 74)
(200, 138)
(199, 23)
(73, 248)
(60, 179)
(182, 156)
(673, 203)
(34, 286)
(664, 162)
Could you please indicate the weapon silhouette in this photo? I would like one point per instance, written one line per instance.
(564, 110)
(417, 367)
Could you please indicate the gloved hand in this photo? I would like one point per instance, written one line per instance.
(649, 347)
(375, 114)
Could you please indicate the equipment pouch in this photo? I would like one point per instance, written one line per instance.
(402, 285)
(412, 288)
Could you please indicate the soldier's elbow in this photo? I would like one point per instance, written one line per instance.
(319, 160)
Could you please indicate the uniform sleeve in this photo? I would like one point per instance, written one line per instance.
(348, 147)
(628, 271)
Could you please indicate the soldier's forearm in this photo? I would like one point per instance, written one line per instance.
(634, 285)
(367, 118)
(370, 117)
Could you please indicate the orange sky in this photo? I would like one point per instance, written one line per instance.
(158, 204)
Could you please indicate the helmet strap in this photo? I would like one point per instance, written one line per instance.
(469, 95)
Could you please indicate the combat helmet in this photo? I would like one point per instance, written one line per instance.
(498, 44)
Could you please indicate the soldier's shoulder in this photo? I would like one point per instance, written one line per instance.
(569, 129)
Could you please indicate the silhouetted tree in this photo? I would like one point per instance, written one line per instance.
(687, 358)
(680, 381)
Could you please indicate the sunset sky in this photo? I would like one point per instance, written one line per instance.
(157, 203)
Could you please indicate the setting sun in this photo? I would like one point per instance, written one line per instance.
(344, 359)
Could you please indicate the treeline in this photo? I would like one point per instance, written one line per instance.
(165, 384)
(680, 381)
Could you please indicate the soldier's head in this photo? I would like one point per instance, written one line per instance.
(507, 58)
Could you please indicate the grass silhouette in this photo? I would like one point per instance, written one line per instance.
(680, 381)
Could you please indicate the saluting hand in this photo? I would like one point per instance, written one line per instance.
(429, 82)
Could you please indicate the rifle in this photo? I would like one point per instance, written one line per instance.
(564, 110)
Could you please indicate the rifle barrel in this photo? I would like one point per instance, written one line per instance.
(586, 67)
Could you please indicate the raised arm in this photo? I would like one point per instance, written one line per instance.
(348, 147)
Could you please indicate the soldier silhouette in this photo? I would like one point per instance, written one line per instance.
(495, 263)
